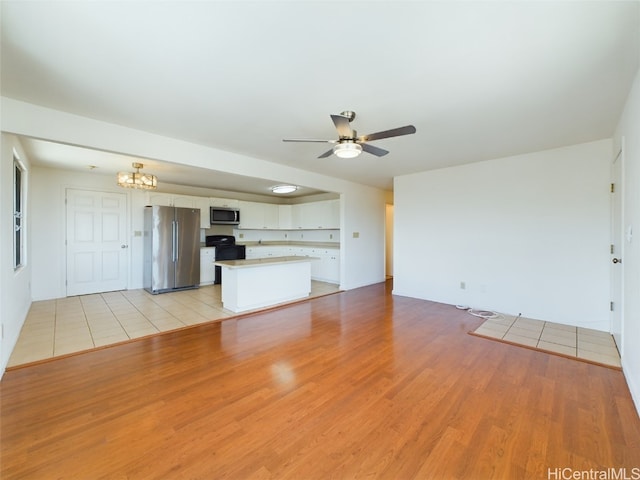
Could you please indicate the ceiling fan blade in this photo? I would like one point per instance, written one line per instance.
(378, 152)
(342, 125)
(326, 154)
(307, 140)
(394, 132)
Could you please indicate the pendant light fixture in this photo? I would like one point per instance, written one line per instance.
(137, 179)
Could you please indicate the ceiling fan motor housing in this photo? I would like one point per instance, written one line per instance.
(351, 138)
(349, 114)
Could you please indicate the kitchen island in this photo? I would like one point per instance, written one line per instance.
(261, 282)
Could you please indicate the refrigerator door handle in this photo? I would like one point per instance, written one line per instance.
(176, 240)
(173, 241)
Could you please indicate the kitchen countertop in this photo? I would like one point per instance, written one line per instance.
(257, 262)
(285, 243)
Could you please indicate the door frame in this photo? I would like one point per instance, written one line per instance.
(618, 242)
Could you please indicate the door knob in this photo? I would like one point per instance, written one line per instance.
(617, 260)
(123, 246)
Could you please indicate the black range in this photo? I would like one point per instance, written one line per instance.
(226, 249)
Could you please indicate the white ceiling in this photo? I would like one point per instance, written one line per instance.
(479, 80)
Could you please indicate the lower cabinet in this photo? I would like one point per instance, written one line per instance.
(329, 266)
(207, 269)
(325, 269)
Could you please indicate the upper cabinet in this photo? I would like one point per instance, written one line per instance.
(254, 215)
(316, 215)
(162, 199)
(259, 216)
(284, 217)
(224, 202)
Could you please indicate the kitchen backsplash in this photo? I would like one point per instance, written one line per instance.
(324, 236)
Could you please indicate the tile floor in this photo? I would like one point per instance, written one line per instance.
(583, 343)
(72, 324)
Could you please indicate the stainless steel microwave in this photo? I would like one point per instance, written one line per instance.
(225, 216)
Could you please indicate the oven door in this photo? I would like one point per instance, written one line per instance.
(228, 252)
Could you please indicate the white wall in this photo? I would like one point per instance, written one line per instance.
(526, 234)
(362, 233)
(15, 287)
(319, 236)
(388, 248)
(49, 227)
(629, 129)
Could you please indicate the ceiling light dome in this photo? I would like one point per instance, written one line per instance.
(347, 150)
(284, 188)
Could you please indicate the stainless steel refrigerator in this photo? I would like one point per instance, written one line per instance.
(171, 248)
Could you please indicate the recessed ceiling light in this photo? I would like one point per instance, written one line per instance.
(284, 188)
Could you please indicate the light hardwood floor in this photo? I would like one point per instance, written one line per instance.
(360, 384)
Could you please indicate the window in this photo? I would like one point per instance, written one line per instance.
(18, 213)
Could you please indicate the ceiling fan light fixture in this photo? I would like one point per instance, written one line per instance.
(137, 179)
(347, 150)
(284, 189)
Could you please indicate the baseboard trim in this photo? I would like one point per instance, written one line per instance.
(634, 388)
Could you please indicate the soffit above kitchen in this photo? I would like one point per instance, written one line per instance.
(171, 175)
(479, 80)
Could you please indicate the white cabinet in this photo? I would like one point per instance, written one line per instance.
(303, 216)
(161, 199)
(253, 252)
(224, 202)
(251, 215)
(205, 216)
(284, 217)
(316, 215)
(329, 265)
(325, 269)
(266, 251)
(334, 214)
(271, 216)
(254, 215)
(207, 269)
(184, 201)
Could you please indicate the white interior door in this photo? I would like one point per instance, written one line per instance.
(617, 253)
(96, 242)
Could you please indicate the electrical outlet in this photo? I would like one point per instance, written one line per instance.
(463, 285)
(356, 234)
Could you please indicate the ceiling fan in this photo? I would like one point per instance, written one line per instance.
(349, 144)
